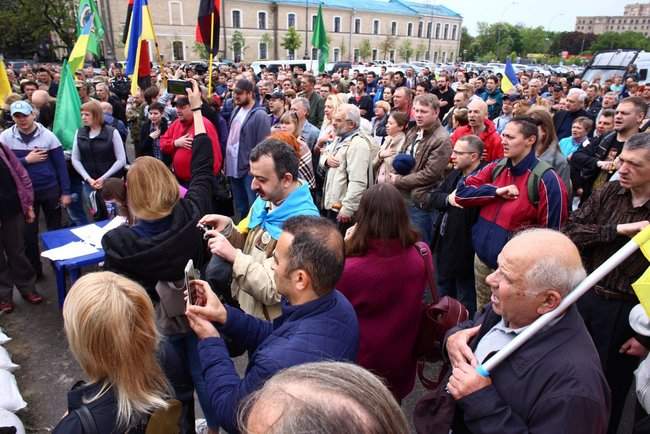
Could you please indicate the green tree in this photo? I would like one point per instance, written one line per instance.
(420, 50)
(238, 45)
(629, 40)
(365, 49)
(573, 42)
(386, 45)
(533, 40)
(200, 50)
(343, 49)
(41, 27)
(291, 41)
(466, 43)
(406, 50)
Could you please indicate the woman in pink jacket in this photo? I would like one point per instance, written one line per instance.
(384, 279)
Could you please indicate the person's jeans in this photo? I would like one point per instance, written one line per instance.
(15, 268)
(75, 210)
(242, 194)
(459, 287)
(423, 222)
(180, 361)
(52, 211)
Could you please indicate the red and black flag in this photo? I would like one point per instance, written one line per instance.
(207, 26)
(127, 23)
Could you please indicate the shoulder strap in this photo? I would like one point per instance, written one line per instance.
(534, 179)
(425, 253)
(501, 164)
(88, 423)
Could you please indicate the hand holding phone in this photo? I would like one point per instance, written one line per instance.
(191, 274)
(177, 87)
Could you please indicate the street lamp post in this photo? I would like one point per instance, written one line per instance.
(306, 29)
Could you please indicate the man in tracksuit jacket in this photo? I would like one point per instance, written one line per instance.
(505, 203)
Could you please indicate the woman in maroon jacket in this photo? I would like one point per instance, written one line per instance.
(384, 279)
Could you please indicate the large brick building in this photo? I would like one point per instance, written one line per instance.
(635, 18)
(392, 27)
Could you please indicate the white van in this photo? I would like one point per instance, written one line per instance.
(276, 65)
(606, 64)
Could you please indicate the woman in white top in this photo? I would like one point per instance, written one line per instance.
(97, 154)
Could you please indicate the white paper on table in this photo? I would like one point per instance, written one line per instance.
(93, 234)
(69, 251)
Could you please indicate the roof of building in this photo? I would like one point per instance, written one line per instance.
(396, 7)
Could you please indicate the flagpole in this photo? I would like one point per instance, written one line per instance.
(163, 73)
(605, 268)
(211, 51)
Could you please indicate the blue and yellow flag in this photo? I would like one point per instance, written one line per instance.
(509, 79)
(140, 31)
(78, 54)
(642, 286)
(5, 86)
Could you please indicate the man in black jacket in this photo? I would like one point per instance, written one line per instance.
(453, 237)
(563, 120)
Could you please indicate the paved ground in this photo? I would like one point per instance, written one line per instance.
(47, 368)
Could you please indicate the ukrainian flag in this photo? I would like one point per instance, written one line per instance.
(642, 286)
(140, 31)
(78, 54)
(509, 79)
(5, 86)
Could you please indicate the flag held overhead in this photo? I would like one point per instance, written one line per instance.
(509, 79)
(137, 48)
(319, 40)
(207, 25)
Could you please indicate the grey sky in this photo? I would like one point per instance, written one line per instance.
(556, 15)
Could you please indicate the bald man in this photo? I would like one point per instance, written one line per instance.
(554, 382)
(479, 125)
(111, 120)
(44, 108)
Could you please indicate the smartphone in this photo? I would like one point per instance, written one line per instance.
(191, 273)
(177, 87)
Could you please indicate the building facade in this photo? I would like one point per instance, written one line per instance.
(396, 30)
(635, 18)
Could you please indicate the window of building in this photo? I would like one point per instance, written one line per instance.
(357, 55)
(393, 28)
(357, 25)
(451, 56)
(313, 21)
(420, 26)
(444, 57)
(177, 50)
(236, 19)
(427, 55)
(314, 53)
(437, 30)
(263, 51)
(236, 52)
(429, 24)
(391, 55)
(409, 29)
(375, 53)
(453, 32)
(375, 27)
(337, 54)
(446, 34)
(261, 20)
(291, 20)
(435, 56)
(337, 24)
(175, 12)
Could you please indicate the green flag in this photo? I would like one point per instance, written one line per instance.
(88, 10)
(67, 117)
(319, 40)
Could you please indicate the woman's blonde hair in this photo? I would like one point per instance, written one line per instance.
(95, 109)
(152, 189)
(109, 323)
(336, 100)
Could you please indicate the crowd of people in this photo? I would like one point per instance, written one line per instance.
(302, 199)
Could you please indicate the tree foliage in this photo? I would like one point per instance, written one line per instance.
(365, 49)
(386, 45)
(406, 50)
(37, 27)
(573, 42)
(291, 40)
(238, 44)
(612, 40)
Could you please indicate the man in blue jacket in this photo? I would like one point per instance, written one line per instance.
(552, 384)
(317, 321)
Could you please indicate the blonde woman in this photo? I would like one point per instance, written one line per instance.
(110, 327)
(327, 133)
(395, 126)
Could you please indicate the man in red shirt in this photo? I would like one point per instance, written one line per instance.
(481, 126)
(177, 141)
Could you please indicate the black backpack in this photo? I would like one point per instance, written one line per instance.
(534, 179)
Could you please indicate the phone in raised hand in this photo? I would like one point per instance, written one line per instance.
(191, 274)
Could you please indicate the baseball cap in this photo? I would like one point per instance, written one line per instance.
(243, 85)
(22, 107)
(277, 95)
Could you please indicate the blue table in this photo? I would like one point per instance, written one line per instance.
(61, 237)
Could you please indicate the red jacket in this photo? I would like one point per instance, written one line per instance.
(385, 288)
(489, 136)
(181, 157)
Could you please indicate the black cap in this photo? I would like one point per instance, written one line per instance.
(277, 95)
(244, 85)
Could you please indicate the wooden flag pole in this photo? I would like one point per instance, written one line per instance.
(210, 56)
